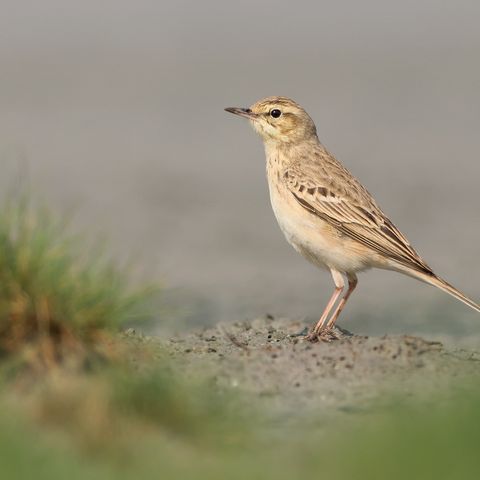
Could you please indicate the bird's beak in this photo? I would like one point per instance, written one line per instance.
(242, 112)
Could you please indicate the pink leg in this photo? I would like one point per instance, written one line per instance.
(352, 283)
(339, 285)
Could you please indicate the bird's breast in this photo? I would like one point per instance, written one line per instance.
(317, 240)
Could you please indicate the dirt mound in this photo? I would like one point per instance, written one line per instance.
(268, 358)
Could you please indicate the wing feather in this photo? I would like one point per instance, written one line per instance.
(357, 217)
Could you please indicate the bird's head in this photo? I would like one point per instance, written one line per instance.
(278, 120)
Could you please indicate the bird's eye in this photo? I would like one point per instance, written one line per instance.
(275, 113)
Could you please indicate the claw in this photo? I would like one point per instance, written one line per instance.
(327, 335)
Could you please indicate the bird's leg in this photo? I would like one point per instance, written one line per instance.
(339, 285)
(352, 283)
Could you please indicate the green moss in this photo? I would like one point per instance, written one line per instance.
(440, 442)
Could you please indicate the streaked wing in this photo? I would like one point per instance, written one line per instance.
(354, 214)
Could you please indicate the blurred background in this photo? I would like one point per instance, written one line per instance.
(115, 109)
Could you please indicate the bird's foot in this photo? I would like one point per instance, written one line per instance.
(327, 334)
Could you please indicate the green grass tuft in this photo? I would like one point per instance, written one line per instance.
(54, 285)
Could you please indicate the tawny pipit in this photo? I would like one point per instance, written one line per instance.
(324, 212)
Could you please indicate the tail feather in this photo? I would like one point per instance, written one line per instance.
(438, 282)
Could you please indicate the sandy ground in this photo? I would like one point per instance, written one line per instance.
(265, 358)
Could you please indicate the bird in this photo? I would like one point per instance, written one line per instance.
(325, 213)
